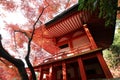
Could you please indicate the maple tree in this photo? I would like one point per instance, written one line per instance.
(19, 47)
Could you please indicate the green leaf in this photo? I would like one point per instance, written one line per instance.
(107, 9)
(80, 6)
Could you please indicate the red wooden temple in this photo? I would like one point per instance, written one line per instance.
(80, 37)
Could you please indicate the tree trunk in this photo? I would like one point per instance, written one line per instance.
(17, 62)
(30, 68)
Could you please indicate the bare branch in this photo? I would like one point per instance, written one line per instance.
(15, 42)
(20, 31)
(30, 39)
(29, 47)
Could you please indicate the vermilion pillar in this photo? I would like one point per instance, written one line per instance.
(41, 74)
(64, 71)
(50, 72)
(104, 66)
(82, 70)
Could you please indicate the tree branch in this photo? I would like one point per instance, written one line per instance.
(29, 48)
(17, 62)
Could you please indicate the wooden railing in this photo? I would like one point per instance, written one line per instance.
(66, 54)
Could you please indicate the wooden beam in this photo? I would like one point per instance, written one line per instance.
(94, 46)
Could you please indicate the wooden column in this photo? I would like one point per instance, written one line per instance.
(104, 65)
(94, 46)
(64, 71)
(41, 74)
(82, 70)
(50, 72)
(54, 73)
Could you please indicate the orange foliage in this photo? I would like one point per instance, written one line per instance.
(43, 39)
(9, 5)
(31, 10)
(20, 39)
(8, 71)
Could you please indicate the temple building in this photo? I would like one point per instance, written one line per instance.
(80, 37)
